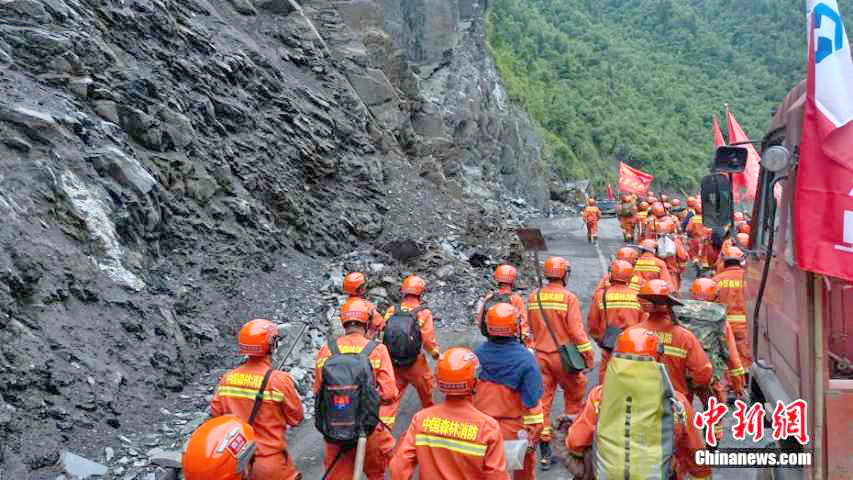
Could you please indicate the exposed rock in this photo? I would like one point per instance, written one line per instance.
(244, 6)
(281, 7)
(79, 467)
(18, 143)
(165, 458)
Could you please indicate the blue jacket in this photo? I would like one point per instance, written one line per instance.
(508, 363)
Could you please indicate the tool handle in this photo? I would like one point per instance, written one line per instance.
(360, 450)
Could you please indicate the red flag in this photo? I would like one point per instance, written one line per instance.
(748, 179)
(823, 210)
(610, 192)
(632, 180)
(718, 134)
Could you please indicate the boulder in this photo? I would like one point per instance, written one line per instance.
(373, 88)
(165, 458)
(80, 468)
(30, 9)
(244, 7)
(127, 171)
(281, 7)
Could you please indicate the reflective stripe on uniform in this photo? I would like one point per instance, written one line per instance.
(736, 318)
(552, 306)
(629, 305)
(533, 419)
(546, 430)
(388, 421)
(674, 351)
(737, 371)
(238, 392)
(585, 347)
(465, 448)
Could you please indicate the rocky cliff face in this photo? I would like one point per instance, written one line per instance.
(169, 168)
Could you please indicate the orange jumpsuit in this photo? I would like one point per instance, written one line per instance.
(628, 223)
(720, 265)
(696, 231)
(504, 405)
(675, 264)
(280, 408)
(563, 310)
(642, 216)
(590, 217)
(650, 267)
(417, 374)
(380, 443)
(683, 355)
(451, 441)
(686, 438)
(652, 226)
(636, 283)
(622, 311)
(712, 254)
(730, 286)
(518, 303)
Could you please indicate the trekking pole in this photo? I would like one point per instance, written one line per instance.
(360, 450)
(280, 364)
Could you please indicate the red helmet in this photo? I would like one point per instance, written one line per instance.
(621, 271)
(704, 289)
(644, 205)
(658, 209)
(666, 226)
(637, 341)
(456, 371)
(664, 197)
(628, 254)
(413, 285)
(355, 310)
(556, 268)
(738, 216)
(691, 202)
(667, 205)
(505, 274)
(257, 338)
(744, 228)
(353, 282)
(657, 292)
(676, 202)
(649, 245)
(742, 240)
(502, 320)
(220, 449)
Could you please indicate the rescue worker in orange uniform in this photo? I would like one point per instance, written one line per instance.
(628, 254)
(591, 214)
(355, 285)
(674, 263)
(355, 315)
(505, 276)
(628, 218)
(561, 309)
(742, 240)
(683, 355)
(730, 287)
(649, 266)
(510, 384)
(705, 289)
(642, 216)
(419, 373)
(221, 448)
(658, 213)
(615, 307)
(698, 234)
(280, 408)
(687, 440)
(452, 440)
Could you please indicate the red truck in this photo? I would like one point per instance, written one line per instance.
(802, 322)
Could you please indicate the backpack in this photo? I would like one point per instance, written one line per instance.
(402, 336)
(636, 422)
(666, 247)
(347, 404)
(707, 321)
(491, 301)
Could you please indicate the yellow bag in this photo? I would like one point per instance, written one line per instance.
(634, 437)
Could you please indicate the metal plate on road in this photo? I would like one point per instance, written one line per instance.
(532, 239)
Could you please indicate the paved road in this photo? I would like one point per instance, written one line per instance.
(565, 236)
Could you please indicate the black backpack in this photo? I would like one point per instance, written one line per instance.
(402, 336)
(493, 300)
(348, 402)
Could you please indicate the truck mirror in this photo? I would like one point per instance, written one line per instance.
(716, 201)
(730, 160)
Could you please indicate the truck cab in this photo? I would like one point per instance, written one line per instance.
(803, 330)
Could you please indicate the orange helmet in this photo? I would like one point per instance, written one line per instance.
(644, 205)
(691, 202)
(734, 254)
(658, 209)
(744, 228)
(666, 226)
(502, 321)
(667, 205)
(621, 271)
(649, 245)
(704, 289)
(650, 193)
(456, 371)
(664, 197)
(556, 268)
(742, 240)
(738, 216)
(220, 449)
(676, 202)
(637, 341)
(257, 338)
(590, 201)
(628, 254)
(353, 282)
(626, 198)
(413, 285)
(658, 292)
(505, 274)
(355, 310)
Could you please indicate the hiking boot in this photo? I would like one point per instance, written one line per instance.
(545, 454)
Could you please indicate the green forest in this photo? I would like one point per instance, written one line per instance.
(637, 80)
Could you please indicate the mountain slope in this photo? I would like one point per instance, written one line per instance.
(638, 80)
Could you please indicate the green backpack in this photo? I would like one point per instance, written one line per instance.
(707, 321)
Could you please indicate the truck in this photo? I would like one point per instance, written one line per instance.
(801, 323)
